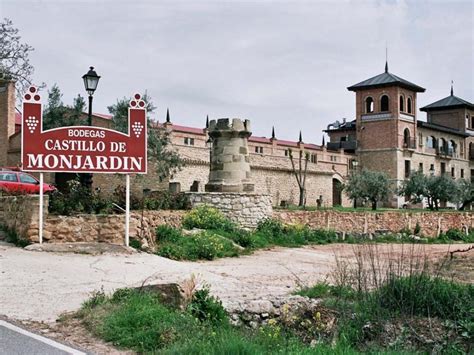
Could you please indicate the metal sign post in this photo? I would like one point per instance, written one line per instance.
(127, 209)
(41, 203)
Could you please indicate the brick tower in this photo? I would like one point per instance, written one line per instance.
(7, 118)
(386, 125)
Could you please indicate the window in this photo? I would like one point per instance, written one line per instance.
(409, 110)
(384, 103)
(472, 176)
(259, 150)
(430, 142)
(452, 172)
(188, 141)
(407, 168)
(472, 121)
(451, 148)
(406, 138)
(369, 105)
(287, 153)
(420, 167)
(402, 103)
(313, 158)
(462, 173)
(432, 170)
(333, 158)
(443, 168)
(442, 145)
(27, 179)
(10, 177)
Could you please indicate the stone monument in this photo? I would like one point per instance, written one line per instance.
(230, 188)
(230, 165)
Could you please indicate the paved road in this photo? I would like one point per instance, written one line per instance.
(18, 341)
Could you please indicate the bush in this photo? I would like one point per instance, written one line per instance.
(78, 199)
(206, 245)
(271, 227)
(207, 217)
(165, 200)
(421, 294)
(135, 243)
(207, 308)
(11, 236)
(166, 233)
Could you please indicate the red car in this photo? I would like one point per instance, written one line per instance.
(17, 181)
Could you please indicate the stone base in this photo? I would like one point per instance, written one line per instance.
(245, 209)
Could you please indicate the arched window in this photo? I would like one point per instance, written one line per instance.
(369, 105)
(384, 103)
(451, 147)
(402, 103)
(406, 138)
(442, 145)
(409, 110)
(430, 142)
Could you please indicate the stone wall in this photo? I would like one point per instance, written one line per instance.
(431, 223)
(244, 209)
(20, 213)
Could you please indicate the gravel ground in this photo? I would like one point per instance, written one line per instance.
(39, 286)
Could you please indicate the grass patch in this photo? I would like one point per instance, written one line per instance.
(397, 304)
(206, 245)
(137, 320)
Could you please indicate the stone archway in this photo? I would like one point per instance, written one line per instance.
(336, 192)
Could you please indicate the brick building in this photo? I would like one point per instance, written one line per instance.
(386, 135)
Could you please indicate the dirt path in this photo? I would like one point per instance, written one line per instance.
(40, 286)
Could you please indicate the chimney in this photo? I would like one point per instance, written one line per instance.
(7, 117)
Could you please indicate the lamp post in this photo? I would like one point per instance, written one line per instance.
(355, 164)
(91, 80)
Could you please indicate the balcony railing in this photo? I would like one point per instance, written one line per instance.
(346, 145)
(445, 152)
(409, 143)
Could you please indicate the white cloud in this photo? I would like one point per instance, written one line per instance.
(285, 64)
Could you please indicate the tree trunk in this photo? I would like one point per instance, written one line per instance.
(374, 205)
(302, 197)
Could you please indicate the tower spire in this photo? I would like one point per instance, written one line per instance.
(301, 138)
(168, 120)
(324, 141)
(452, 90)
(386, 58)
(207, 121)
(273, 132)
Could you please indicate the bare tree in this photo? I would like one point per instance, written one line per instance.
(300, 173)
(14, 62)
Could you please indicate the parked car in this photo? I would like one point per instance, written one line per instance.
(21, 182)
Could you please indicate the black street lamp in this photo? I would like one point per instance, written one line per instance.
(91, 80)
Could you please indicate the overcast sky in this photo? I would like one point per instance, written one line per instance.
(281, 63)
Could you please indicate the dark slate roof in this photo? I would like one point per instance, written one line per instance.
(447, 103)
(441, 128)
(383, 80)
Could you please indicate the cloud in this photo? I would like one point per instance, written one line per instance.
(285, 64)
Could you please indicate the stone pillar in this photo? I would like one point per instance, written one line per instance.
(7, 117)
(230, 166)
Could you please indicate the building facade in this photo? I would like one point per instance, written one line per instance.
(386, 135)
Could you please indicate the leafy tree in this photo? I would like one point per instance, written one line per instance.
(164, 160)
(300, 173)
(14, 62)
(464, 193)
(439, 188)
(56, 114)
(415, 187)
(368, 185)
